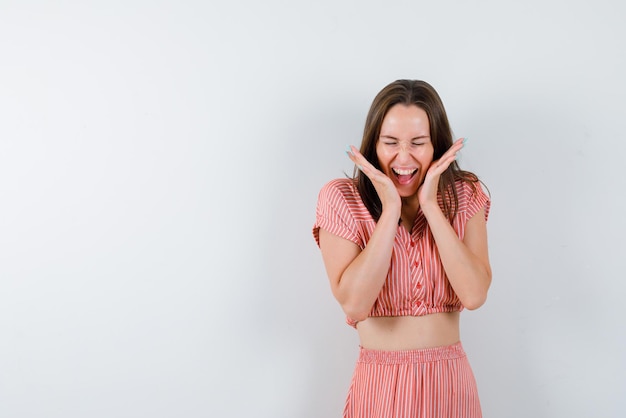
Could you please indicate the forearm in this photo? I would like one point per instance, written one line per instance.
(362, 280)
(469, 273)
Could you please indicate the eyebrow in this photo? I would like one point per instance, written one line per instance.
(412, 139)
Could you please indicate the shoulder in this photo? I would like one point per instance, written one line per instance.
(465, 188)
(342, 196)
(343, 189)
(340, 211)
(471, 196)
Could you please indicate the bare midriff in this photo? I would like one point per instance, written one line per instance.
(409, 332)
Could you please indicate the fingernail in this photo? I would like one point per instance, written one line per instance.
(349, 150)
(359, 166)
(465, 140)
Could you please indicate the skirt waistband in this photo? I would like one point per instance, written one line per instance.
(422, 355)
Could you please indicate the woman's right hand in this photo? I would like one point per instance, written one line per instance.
(386, 190)
(357, 274)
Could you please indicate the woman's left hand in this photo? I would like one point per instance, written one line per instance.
(427, 193)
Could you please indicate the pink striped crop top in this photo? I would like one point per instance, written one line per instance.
(416, 284)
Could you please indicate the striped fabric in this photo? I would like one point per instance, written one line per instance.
(416, 283)
(427, 383)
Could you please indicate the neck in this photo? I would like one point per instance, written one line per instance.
(410, 206)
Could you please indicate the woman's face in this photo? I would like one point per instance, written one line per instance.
(404, 148)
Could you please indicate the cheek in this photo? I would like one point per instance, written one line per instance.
(425, 155)
(429, 153)
(383, 158)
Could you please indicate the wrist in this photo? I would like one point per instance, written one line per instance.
(391, 213)
(430, 208)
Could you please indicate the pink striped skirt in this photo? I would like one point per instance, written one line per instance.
(426, 383)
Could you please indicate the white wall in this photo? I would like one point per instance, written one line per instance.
(159, 168)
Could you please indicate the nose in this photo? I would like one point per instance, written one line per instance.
(404, 153)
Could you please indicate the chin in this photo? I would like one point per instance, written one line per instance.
(407, 191)
(407, 194)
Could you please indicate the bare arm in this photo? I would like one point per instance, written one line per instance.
(466, 261)
(356, 276)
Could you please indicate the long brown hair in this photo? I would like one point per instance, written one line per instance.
(424, 96)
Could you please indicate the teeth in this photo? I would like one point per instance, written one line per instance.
(404, 172)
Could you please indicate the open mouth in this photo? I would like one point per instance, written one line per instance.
(404, 176)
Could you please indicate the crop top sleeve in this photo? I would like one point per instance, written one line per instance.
(472, 199)
(338, 212)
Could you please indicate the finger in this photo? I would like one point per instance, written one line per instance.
(357, 158)
(442, 164)
(350, 153)
(456, 146)
(377, 177)
(451, 154)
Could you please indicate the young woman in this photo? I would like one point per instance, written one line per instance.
(404, 243)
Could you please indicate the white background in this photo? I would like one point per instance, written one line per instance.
(159, 168)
